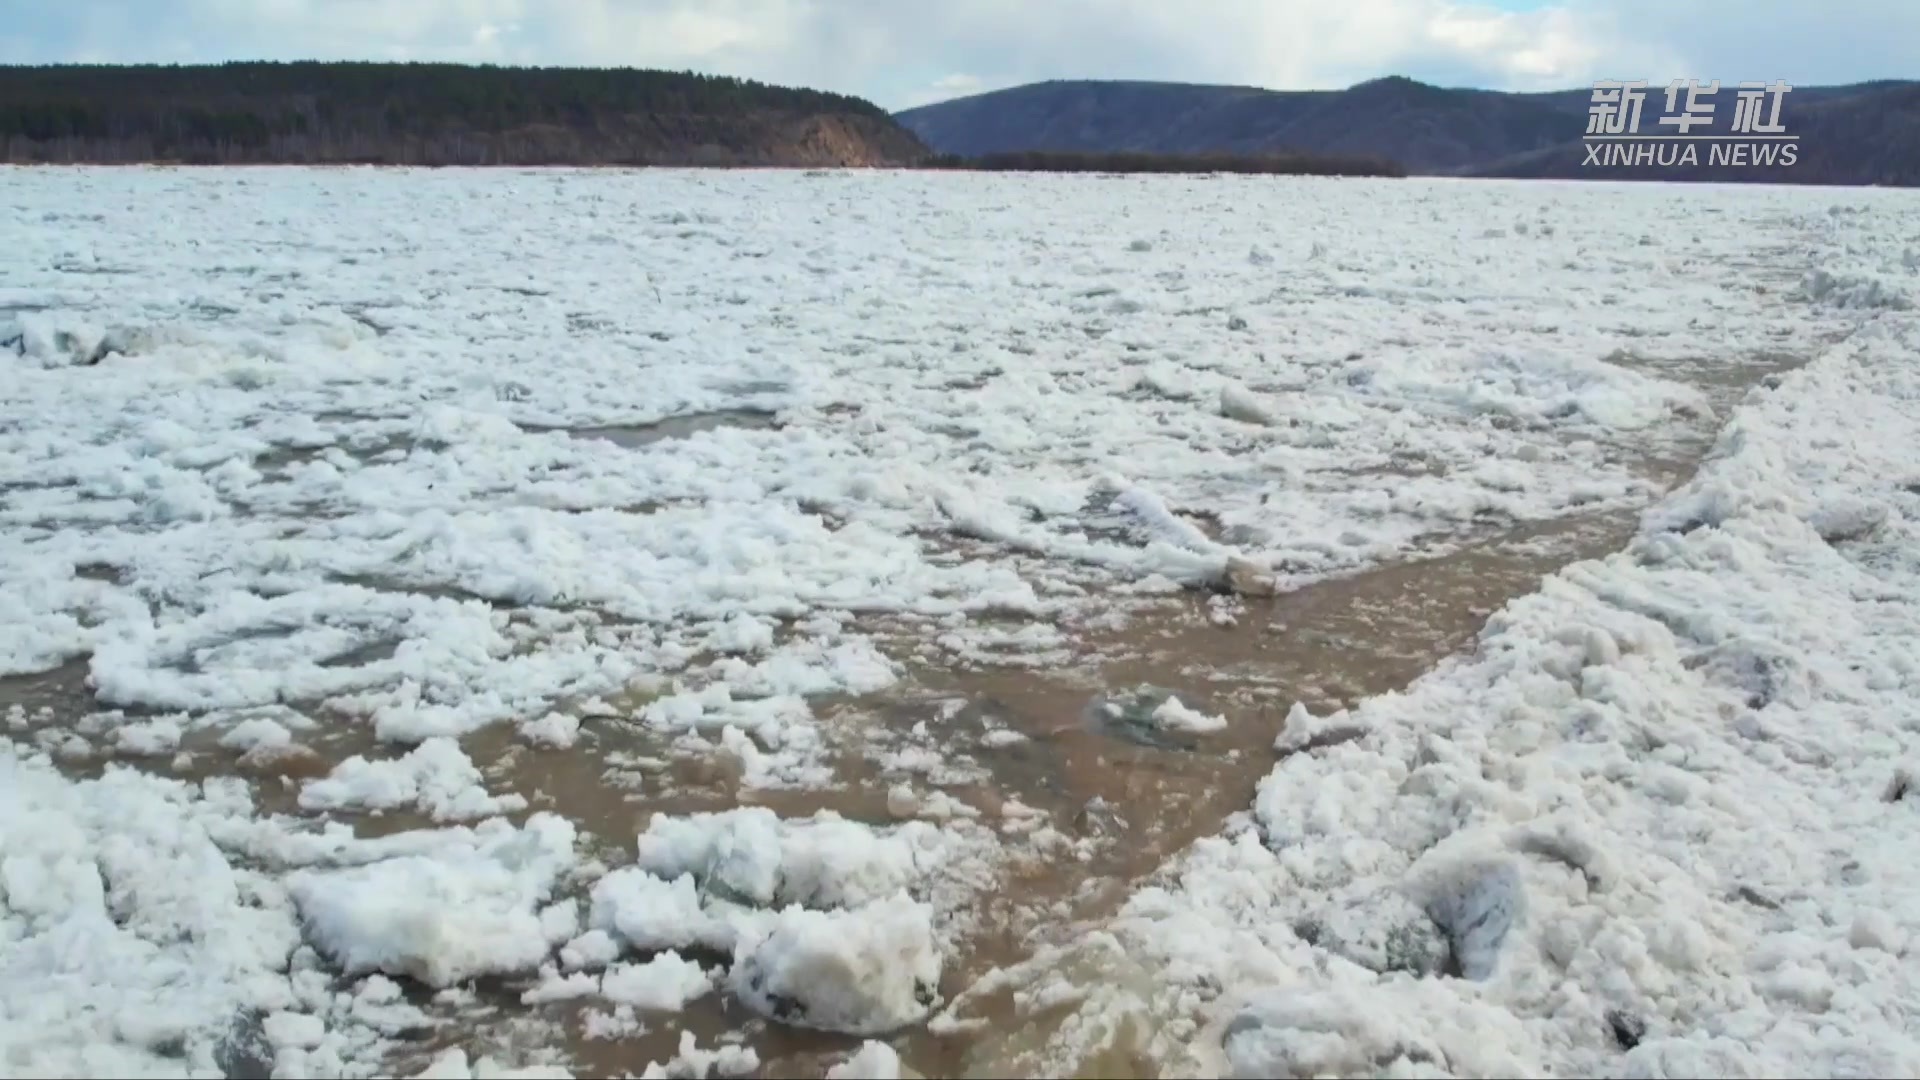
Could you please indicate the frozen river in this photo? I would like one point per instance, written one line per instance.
(496, 619)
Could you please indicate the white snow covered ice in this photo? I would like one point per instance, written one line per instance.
(437, 479)
(1655, 825)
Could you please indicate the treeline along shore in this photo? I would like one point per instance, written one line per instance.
(432, 114)
(311, 113)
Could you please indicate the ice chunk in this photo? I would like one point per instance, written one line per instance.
(1384, 931)
(449, 1064)
(1854, 289)
(452, 1064)
(554, 986)
(558, 731)
(1477, 904)
(1168, 381)
(649, 912)
(620, 1023)
(665, 983)
(1175, 715)
(1302, 731)
(436, 775)
(693, 1063)
(741, 634)
(1249, 578)
(902, 802)
(591, 950)
(129, 942)
(1318, 1033)
(735, 854)
(257, 734)
(298, 1030)
(1841, 518)
(829, 861)
(150, 739)
(873, 1061)
(560, 920)
(750, 856)
(861, 971)
(465, 911)
(1159, 521)
(1239, 403)
(1876, 930)
(1135, 714)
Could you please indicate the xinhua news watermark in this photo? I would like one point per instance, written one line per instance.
(1754, 137)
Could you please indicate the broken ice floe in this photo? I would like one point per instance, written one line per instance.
(816, 914)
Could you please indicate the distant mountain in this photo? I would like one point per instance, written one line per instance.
(1865, 133)
(432, 114)
(1869, 134)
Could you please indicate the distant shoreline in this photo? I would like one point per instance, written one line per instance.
(931, 169)
(1102, 167)
(349, 113)
(1126, 162)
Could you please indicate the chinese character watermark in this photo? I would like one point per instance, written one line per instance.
(1755, 135)
(1616, 107)
(1697, 110)
(1746, 108)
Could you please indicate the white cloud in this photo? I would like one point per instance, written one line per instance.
(948, 87)
(902, 53)
(488, 35)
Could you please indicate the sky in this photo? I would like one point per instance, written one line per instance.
(901, 53)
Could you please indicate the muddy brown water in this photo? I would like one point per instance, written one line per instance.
(1129, 799)
(1327, 645)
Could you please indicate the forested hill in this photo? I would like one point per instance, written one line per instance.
(1864, 133)
(432, 114)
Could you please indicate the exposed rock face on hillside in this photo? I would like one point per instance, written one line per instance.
(433, 114)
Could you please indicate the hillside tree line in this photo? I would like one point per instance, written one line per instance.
(413, 113)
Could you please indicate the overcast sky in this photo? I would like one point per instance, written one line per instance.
(909, 52)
